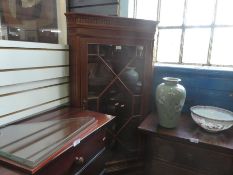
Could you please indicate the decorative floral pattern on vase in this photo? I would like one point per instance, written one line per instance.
(170, 98)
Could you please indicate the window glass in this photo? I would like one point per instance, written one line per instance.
(169, 45)
(196, 44)
(224, 12)
(171, 13)
(131, 8)
(29, 20)
(200, 12)
(222, 47)
(199, 45)
(147, 9)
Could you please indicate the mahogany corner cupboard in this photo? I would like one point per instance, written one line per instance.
(111, 72)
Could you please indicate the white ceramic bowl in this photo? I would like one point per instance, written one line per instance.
(212, 119)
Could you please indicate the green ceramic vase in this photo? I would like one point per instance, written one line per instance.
(170, 98)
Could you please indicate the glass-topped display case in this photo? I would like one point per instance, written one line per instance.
(29, 145)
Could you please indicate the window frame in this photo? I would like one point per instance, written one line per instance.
(183, 28)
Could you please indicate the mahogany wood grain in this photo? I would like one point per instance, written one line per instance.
(76, 159)
(186, 149)
(65, 113)
(112, 27)
(188, 131)
(191, 157)
(112, 44)
(159, 167)
(87, 28)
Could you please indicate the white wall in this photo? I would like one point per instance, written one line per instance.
(33, 78)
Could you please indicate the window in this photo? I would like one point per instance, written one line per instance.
(190, 31)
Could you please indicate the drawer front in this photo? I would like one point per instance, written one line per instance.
(192, 157)
(87, 151)
(95, 166)
(75, 158)
(161, 168)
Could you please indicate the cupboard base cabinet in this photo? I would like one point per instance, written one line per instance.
(84, 158)
(186, 150)
(111, 72)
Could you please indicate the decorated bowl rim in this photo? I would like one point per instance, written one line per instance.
(212, 107)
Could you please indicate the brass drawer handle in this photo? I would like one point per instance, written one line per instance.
(79, 160)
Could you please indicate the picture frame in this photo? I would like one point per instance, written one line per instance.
(30, 20)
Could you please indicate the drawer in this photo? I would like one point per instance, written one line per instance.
(192, 157)
(76, 158)
(161, 168)
(94, 166)
(87, 151)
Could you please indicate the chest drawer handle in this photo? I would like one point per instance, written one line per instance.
(79, 160)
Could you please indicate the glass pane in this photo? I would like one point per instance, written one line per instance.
(200, 12)
(131, 8)
(99, 68)
(147, 9)
(171, 12)
(131, 77)
(222, 47)
(116, 70)
(224, 12)
(115, 84)
(132, 74)
(196, 44)
(34, 21)
(116, 101)
(169, 45)
(35, 142)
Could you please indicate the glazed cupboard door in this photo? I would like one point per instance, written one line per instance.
(111, 72)
(113, 78)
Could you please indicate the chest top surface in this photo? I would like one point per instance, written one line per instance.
(188, 131)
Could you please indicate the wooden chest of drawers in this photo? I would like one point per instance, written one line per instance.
(186, 150)
(77, 159)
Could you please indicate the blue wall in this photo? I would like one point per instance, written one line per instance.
(203, 86)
